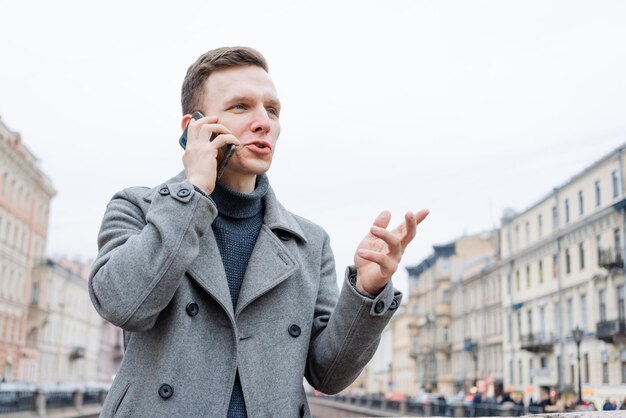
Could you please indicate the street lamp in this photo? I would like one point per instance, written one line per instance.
(578, 337)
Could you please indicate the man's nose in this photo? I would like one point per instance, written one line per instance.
(261, 122)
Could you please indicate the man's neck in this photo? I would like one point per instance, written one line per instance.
(241, 184)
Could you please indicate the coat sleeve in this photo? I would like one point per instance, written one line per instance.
(346, 329)
(143, 254)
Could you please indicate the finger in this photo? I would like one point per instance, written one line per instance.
(193, 127)
(209, 130)
(410, 227)
(225, 139)
(392, 240)
(388, 265)
(382, 220)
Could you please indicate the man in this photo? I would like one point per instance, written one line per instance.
(227, 300)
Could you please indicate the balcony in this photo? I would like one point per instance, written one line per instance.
(611, 259)
(77, 353)
(538, 343)
(613, 332)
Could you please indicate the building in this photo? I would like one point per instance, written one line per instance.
(25, 194)
(562, 268)
(477, 328)
(403, 371)
(430, 289)
(64, 328)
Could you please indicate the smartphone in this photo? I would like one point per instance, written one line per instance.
(227, 150)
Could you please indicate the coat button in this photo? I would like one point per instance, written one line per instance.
(183, 193)
(380, 305)
(192, 309)
(394, 305)
(164, 191)
(294, 331)
(285, 236)
(166, 391)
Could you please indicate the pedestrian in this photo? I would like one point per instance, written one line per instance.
(227, 300)
(623, 405)
(608, 406)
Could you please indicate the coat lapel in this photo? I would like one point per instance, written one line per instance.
(270, 264)
(208, 271)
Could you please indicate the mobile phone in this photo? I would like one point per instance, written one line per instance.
(227, 150)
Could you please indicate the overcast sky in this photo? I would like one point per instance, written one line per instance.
(463, 107)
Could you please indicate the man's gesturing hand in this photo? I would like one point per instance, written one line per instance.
(201, 155)
(379, 253)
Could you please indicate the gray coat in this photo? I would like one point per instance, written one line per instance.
(159, 276)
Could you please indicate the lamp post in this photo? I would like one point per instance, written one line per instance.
(578, 337)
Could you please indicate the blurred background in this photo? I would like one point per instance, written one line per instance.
(505, 119)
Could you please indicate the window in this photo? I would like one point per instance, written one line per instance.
(530, 370)
(543, 362)
(519, 367)
(605, 370)
(542, 322)
(617, 239)
(581, 255)
(602, 304)
(586, 367)
(557, 315)
(527, 276)
(566, 208)
(530, 321)
(511, 375)
(581, 203)
(572, 374)
(555, 217)
(527, 227)
(540, 271)
(510, 325)
(615, 183)
(599, 247)
(516, 236)
(583, 311)
(539, 226)
(621, 310)
(35, 294)
(623, 371)
(519, 324)
(555, 266)
(567, 262)
(570, 314)
(517, 284)
(598, 196)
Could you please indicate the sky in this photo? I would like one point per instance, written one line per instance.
(462, 107)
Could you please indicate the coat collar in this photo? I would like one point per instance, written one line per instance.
(276, 216)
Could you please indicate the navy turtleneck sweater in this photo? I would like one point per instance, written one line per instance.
(236, 229)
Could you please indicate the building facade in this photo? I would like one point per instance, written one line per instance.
(477, 352)
(25, 194)
(65, 329)
(430, 291)
(562, 268)
(403, 370)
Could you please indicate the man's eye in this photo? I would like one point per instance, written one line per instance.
(239, 106)
(272, 111)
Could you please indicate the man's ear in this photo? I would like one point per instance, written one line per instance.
(185, 121)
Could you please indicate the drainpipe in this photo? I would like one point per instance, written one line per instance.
(559, 323)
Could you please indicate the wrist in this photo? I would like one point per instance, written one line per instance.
(200, 186)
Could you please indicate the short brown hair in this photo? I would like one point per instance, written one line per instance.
(216, 59)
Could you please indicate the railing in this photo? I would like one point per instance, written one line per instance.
(608, 330)
(610, 258)
(537, 342)
(40, 401)
(432, 407)
(17, 401)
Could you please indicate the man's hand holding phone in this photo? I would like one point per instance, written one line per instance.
(206, 142)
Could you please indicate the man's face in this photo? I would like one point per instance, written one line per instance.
(245, 101)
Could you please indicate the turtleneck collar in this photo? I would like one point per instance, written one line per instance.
(239, 205)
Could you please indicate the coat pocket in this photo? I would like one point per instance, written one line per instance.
(119, 402)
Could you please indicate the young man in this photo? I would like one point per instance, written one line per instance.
(228, 300)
